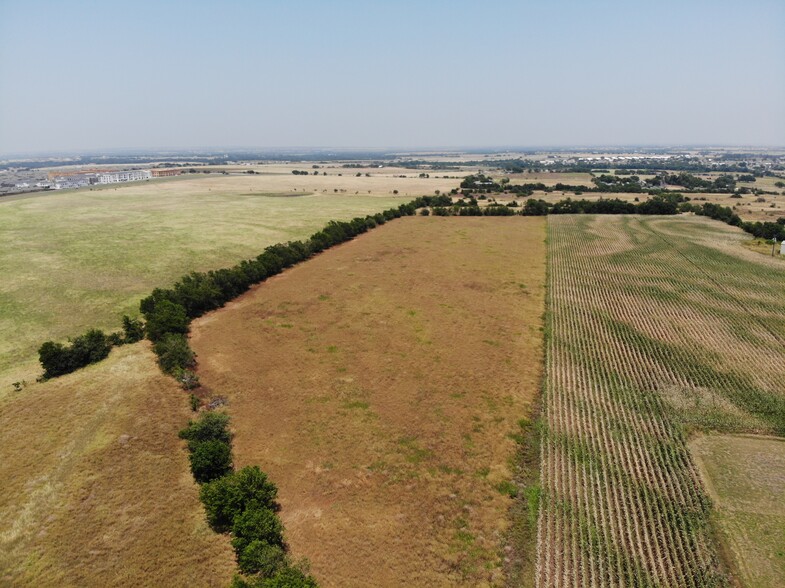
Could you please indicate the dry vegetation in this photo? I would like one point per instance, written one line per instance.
(656, 324)
(96, 489)
(378, 384)
(745, 477)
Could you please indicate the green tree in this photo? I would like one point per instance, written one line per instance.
(256, 523)
(133, 330)
(166, 317)
(210, 426)
(174, 353)
(210, 460)
(227, 497)
(260, 557)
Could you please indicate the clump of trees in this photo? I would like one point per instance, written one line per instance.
(723, 183)
(59, 359)
(243, 504)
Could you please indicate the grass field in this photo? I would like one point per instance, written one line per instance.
(96, 489)
(379, 385)
(82, 259)
(745, 476)
(657, 324)
(763, 246)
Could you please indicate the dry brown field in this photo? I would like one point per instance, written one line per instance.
(378, 384)
(745, 477)
(96, 489)
(278, 177)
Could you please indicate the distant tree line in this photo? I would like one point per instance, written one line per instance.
(607, 183)
(660, 204)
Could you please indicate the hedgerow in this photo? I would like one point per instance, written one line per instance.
(241, 503)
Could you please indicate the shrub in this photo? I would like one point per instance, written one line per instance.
(166, 317)
(115, 339)
(256, 523)
(57, 359)
(261, 558)
(227, 497)
(133, 330)
(188, 378)
(210, 460)
(194, 402)
(211, 426)
(91, 347)
(174, 353)
(289, 577)
(425, 212)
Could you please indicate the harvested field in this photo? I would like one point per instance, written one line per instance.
(745, 477)
(657, 324)
(378, 384)
(96, 489)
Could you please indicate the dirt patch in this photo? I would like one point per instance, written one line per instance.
(378, 385)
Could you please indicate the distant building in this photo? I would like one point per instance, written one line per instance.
(71, 180)
(165, 171)
(782, 248)
(124, 176)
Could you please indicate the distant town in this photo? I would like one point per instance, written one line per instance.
(31, 174)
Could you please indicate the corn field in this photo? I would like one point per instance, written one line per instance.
(656, 326)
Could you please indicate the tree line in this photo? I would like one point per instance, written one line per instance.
(169, 311)
(725, 184)
(243, 504)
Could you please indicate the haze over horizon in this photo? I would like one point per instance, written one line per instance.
(87, 76)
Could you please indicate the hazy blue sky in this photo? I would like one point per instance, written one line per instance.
(104, 74)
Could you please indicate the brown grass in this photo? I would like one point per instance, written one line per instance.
(745, 477)
(96, 489)
(378, 383)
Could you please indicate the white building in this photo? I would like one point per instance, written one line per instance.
(782, 248)
(124, 176)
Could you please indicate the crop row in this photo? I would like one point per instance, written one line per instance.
(649, 331)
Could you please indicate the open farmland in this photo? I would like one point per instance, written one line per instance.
(379, 385)
(72, 261)
(745, 477)
(96, 489)
(657, 325)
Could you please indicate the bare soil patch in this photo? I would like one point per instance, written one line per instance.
(378, 385)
